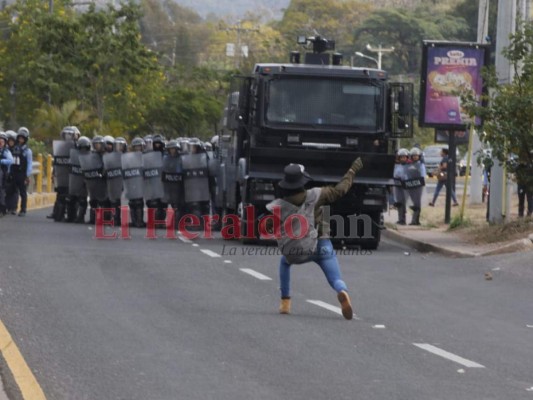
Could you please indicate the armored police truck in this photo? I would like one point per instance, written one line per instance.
(322, 115)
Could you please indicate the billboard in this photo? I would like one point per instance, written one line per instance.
(449, 69)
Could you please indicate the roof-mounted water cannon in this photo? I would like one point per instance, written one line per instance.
(319, 55)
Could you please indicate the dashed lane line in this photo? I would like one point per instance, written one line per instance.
(449, 356)
(26, 381)
(255, 274)
(184, 240)
(327, 306)
(210, 253)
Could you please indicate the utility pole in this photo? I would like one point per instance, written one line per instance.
(506, 26)
(380, 50)
(477, 170)
(239, 29)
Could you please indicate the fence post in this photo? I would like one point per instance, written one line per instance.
(40, 174)
(49, 188)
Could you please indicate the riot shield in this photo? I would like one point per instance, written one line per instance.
(92, 168)
(152, 168)
(132, 174)
(61, 149)
(76, 181)
(113, 174)
(213, 164)
(195, 177)
(172, 180)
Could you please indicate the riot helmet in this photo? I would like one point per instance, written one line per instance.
(148, 143)
(23, 133)
(138, 144)
(158, 142)
(69, 133)
(121, 145)
(196, 146)
(173, 147)
(11, 138)
(84, 143)
(98, 144)
(415, 152)
(109, 143)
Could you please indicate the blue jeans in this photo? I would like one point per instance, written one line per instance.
(440, 184)
(327, 260)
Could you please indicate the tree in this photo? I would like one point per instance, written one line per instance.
(508, 120)
(50, 119)
(405, 30)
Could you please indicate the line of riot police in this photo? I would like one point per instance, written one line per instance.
(179, 173)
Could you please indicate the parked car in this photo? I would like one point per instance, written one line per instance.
(432, 158)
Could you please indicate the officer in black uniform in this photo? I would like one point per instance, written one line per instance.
(20, 171)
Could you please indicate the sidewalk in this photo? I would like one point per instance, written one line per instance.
(438, 239)
(40, 200)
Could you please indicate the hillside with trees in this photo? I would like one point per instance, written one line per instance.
(158, 65)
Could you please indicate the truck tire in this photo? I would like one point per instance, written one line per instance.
(377, 223)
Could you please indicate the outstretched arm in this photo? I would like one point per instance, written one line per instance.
(330, 194)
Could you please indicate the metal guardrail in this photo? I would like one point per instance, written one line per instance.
(37, 174)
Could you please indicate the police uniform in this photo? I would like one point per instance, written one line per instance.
(20, 171)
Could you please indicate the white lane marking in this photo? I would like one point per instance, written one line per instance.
(530, 389)
(335, 309)
(210, 253)
(461, 371)
(195, 245)
(378, 326)
(529, 326)
(184, 240)
(255, 274)
(327, 306)
(448, 355)
(227, 261)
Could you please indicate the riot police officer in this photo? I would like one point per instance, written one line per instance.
(173, 178)
(113, 173)
(399, 176)
(92, 167)
(6, 159)
(69, 136)
(132, 173)
(414, 183)
(20, 171)
(77, 205)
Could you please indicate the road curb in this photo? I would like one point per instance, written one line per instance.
(40, 200)
(425, 247)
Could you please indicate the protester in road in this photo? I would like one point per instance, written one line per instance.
(6, 159)
(20, 171)
(296, 200)
(442, 177)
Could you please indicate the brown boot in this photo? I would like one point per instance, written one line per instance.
(285, 306)
(346, 304)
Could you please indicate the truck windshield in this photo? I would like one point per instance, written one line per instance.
(350, 104)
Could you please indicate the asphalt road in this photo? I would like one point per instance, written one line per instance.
(166, 319)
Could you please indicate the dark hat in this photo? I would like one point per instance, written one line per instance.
(295, 177)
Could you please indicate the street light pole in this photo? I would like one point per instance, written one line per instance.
(380, 50)
(359, 54)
